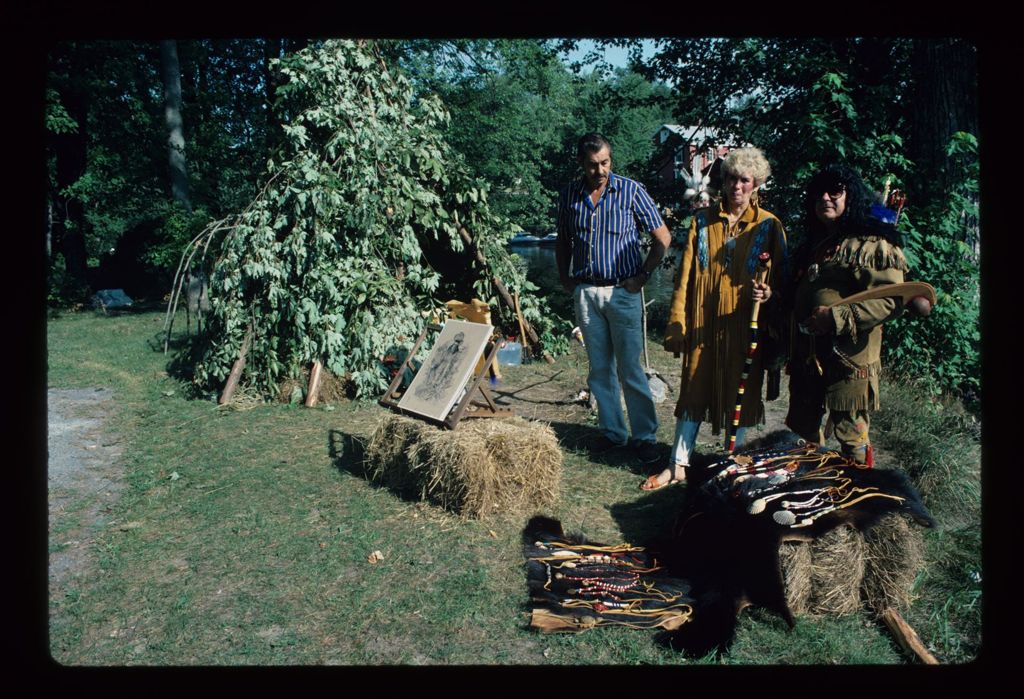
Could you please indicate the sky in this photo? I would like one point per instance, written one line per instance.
(615, 55)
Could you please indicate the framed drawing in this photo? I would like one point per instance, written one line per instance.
(441, 378)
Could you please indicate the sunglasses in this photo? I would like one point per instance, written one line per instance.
(834, 190)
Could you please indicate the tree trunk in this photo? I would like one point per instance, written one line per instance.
(49, 230)
(945, 100)
(170, 72)
(70, 152)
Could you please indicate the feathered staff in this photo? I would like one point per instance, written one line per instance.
(696, 184)
(763, 261)
(896, 200)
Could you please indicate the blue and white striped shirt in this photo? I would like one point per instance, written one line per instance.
(604, 239)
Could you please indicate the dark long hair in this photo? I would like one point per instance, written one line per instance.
(857, 217)
(859, 199)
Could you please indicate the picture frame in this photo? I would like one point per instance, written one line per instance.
(441, 379)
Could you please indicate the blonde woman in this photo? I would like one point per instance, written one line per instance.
(709, 319)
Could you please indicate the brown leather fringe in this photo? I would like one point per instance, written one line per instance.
(860, 403)
(873, 253)
(865, 399)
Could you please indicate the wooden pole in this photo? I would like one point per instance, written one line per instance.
(503, 291)
(519, 317)
(762, 272)
(236, 370)
(314, 384)
(643, 319)
(906, 636)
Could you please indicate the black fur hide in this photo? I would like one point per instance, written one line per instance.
(724, 550)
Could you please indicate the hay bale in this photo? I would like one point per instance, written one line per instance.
(837, 569)
(286, 390)
(385, 453)
(823, 576)
(795, 561)
(483, 467)
(332, 389)
(894, 552)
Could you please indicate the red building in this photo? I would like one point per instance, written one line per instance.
(679, 148)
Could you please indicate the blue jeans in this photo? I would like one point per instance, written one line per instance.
(611, 321)
(686, 437)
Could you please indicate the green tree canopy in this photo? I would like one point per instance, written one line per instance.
(518, 110)
(879, 105)
(356, 232)
(109, 185)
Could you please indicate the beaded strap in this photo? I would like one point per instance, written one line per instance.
(759, 235)
(702, 240)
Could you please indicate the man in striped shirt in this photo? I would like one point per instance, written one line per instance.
(601, 263)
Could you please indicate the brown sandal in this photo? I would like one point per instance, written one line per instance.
(652, 482)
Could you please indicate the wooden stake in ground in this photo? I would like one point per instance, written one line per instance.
(236, 370)
(519, 317)
(314, 383)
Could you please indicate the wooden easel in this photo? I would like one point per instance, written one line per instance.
(467, 406)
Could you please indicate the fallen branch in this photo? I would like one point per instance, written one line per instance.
(906, 636)
(184, 264)
(503, 292)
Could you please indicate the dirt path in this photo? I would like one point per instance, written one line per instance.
(548, 392)
(84, 478)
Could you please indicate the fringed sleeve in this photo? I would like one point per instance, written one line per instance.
(876, 262)
(675, 330)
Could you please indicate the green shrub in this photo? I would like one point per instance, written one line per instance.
(945, 346)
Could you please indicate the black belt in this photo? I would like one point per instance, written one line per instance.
(600, 282)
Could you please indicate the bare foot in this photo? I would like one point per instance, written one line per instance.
(675, 474)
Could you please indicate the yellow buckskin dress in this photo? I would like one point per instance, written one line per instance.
(709, 318)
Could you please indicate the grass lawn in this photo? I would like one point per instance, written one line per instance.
(242, 536)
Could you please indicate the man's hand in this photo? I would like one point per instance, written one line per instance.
(634, 284)
(569, 284)
(762, 292)
(820, 322)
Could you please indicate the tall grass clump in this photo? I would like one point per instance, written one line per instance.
(937, 442)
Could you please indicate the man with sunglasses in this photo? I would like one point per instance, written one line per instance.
(835, 359)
